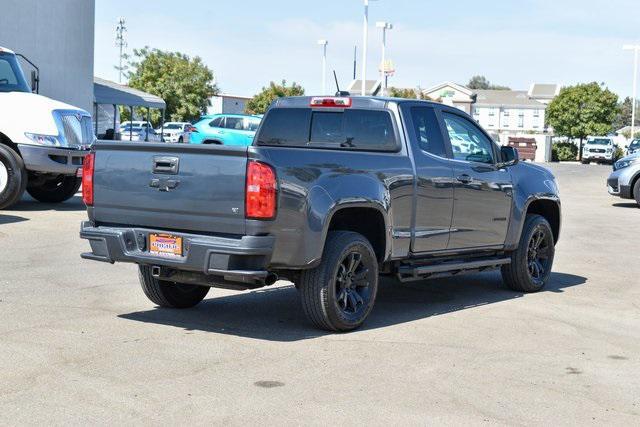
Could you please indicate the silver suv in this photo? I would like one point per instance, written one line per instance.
(625, 179)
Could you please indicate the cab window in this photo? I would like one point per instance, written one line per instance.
(427, 131)
(468, 142)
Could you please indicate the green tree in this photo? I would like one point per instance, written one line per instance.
(261, 101)
(624, 115)
(185, 83)
(582, 110)
(481, 82)
(395, 92)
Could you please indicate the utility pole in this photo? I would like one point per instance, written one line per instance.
(324, 44)
(635, 49)
(365, 30)
(383, 67)
(121, 43)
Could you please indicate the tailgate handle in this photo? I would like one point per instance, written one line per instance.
(166, 164)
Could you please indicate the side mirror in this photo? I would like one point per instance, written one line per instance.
(509, 156)
(35, 81)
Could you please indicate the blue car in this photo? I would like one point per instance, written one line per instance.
(225, 129)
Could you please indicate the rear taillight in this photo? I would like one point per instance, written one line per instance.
(260, 202)
(87, 179)
(191, 129)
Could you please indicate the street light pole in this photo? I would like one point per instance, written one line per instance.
(383, 71)
(324, 44)
(635, 49)
(365, 30)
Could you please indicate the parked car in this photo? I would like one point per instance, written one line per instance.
(42, 141)
(139, 133)
(624, 181)
(634, 147)
(175, 132)
(225, 129)
(599, 148)
(136, 123)
(333, 192)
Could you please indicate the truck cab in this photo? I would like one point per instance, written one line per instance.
(42, 141)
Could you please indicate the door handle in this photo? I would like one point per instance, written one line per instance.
(165, 164)
(464, 178)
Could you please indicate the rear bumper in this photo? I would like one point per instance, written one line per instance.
(62, 161)
(243, 259)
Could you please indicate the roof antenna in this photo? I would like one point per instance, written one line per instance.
(339, 92)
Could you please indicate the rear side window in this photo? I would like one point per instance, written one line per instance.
(285, 126)
(235, 123)
(349, 129)
(217, 122)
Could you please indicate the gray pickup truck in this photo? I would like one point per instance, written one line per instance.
(333, 192)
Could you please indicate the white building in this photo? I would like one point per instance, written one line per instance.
(500, 112)
(227, 104)
(58, 36)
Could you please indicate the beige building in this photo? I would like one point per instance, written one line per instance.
(57, 36)
(500, 111)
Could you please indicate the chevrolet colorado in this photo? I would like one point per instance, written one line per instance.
(333, 192)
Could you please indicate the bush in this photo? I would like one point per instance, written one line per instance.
(564, 152)
(618, 153)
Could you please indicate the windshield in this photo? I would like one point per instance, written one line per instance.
(170, 126)
(635, 143)
(11, 77)
(599, 141)
(135, 128)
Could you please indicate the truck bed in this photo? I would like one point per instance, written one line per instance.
(199, 188)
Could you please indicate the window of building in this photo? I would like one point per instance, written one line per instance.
(521, 119)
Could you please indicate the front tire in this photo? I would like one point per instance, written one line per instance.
(169, 294)
(13, 177)
(339, 294)
(531, 263)
(55, 190)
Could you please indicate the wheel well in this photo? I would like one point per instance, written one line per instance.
(367, 221)
(6, 141)
(550, 211)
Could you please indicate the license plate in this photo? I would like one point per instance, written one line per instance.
(165, 245)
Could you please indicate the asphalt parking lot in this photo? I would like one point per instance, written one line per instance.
(80, 343)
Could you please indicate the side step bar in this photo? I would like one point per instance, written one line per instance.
(408, 273)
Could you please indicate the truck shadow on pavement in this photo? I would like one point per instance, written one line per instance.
(631, 205)
(275, 314)
(28, 204)
(8, 219)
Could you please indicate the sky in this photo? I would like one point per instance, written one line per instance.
(248, 43)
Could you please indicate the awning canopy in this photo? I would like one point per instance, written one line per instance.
(108, 92)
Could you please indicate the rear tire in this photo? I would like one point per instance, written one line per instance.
(55, 190)
(13, 177)
(531, 263)
(636, 191)
(339, 294)
(169, 294)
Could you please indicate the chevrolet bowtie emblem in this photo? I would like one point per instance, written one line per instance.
(163, 184)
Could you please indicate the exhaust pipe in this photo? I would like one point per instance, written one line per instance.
(270, 279)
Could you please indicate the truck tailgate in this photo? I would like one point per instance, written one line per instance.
(199, 188)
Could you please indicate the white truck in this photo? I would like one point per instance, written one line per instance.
(42, 141)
